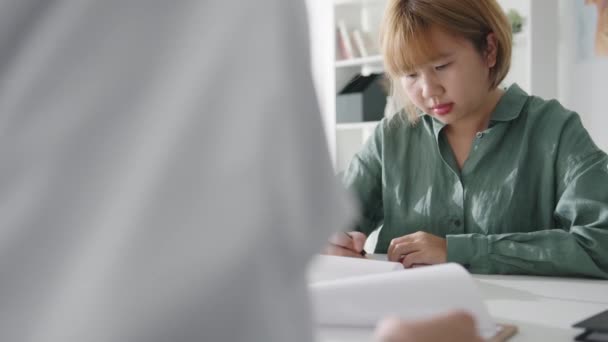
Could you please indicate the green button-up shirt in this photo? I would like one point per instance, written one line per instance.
(532, 197)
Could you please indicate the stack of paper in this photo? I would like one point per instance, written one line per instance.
(328, 267)
(359, 292)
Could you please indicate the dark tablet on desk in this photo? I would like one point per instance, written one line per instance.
(596, 328)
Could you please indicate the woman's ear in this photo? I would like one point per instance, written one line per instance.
(491, 49)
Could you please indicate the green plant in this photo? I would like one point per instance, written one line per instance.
(516, 20)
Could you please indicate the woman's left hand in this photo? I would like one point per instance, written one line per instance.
(418, 249)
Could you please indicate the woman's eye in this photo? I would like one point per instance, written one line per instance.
(443, 66)
(411, 76)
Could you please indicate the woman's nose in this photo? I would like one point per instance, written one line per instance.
(431, 87)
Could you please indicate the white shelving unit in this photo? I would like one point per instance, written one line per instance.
(332, 73)
(360, 62)
(357, 125)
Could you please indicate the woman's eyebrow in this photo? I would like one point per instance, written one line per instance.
(441, 56)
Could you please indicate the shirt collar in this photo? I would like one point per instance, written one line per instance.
(508, 108)
(510, 104)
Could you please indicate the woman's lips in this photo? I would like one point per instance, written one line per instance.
(443, 109)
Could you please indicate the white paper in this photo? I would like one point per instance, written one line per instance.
(329, 267)
(360, 301)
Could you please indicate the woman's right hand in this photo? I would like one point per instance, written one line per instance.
(346, 244)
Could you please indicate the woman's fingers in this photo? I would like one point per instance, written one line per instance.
(352, 241)
(358, 240)
(414, 259)
(341, 251)
(399, 250)
(400, 240)
(342, 239)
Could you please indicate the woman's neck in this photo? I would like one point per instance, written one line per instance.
(478, 122)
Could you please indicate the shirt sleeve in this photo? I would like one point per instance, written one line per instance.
(576, 246)
(364, 179)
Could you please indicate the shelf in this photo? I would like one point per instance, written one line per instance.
(354, 62)
(357, 125)
(356, 2)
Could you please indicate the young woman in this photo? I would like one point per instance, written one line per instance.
(468, 172)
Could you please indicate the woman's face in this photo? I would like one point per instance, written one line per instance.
(454, 85)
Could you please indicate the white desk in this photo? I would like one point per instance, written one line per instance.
(543, 308)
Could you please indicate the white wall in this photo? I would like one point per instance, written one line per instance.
(544, 38)
(519, 72)
(534, 61)
(551, 48)
(583, 82)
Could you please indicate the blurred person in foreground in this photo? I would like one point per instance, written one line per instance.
(164, 175)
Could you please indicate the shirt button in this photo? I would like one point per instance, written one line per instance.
(479, 135)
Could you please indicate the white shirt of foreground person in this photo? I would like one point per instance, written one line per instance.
(163, 171)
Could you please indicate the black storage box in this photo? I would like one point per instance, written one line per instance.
(362, 99)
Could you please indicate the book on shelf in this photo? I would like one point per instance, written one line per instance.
(345, 43)
(341, 53)
(354, 43)
(360, 43)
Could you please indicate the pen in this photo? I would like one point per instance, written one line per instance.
(363, 252)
